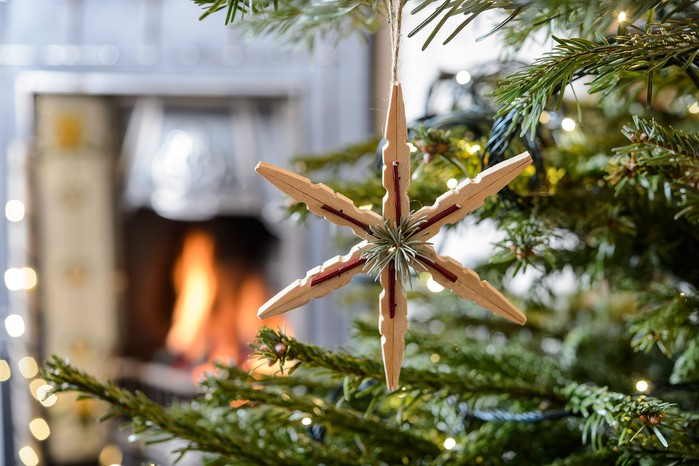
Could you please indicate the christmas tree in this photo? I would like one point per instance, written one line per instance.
(605, 371)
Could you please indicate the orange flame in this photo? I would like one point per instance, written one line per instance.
(215, 313)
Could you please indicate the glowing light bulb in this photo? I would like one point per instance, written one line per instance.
(451, 183)
(39, 429)
(544, 118)
(28, 456)
(568, 124)
(28, 278)
(14, 279)
(474, 148)
(28, 367)
(693, 108)
(449, 443)
(433, 286)
(14, 324)
(621, 16)
(110, 455)
(5, 372)
(14, 210)
(463, 77)
(306, 421)
(642, 386)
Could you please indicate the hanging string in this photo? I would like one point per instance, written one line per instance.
(395, 9)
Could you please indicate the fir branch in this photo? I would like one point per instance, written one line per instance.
(233, 384)
(156, 423)
(300, 21)
(629, 59)
(630, 420)
(476, 384)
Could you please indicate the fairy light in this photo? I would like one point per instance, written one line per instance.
(39, 429)
(28, 456)
(14, 210)
(433, 286)
(306, 421)
(449, 443)
(434, 358)
(621, 16)
(28, 367)
(473, 149)
(14, 279)
(5, 372)
(29, 278)
(642, 386)
(568, 124)
(110, 455)
(693, 108)
(14, 324)
(452, 183)
(413, 147)
(463, 77)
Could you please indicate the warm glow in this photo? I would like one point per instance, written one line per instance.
(452, 183)
(306, 421)
(14, 324)
(5, 372)
(14, 279)
(110, 455)
(433, 286)
(568, 124)
(474, 149)
(14, 210)
(195, 284)
(693, 108)
(39, 429)
(28, 367)
(449, 443)
(29, 278)
(642, 386)
(412, 147)
(463, 77)
(621, 16)
(215, 312)
(28, 456)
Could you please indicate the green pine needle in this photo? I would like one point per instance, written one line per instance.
(398, 243)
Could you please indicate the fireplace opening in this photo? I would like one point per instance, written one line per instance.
(193, 290)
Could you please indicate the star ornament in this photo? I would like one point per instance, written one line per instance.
(395, 242)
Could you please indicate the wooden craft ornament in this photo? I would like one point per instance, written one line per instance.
(451, 207)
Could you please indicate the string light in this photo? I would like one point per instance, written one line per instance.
(14, 279)
(693, 108)
(5, 372)
(621, 16)
(451, 183)
(642, 386)
(473, 149)
(28, 456)
(39, 429)
(306, 421)
(463, 77)
(568, 124)
(29, 278)
(14, 210)
(449, 443)
(433, 286)
(110, 455)
(28, 367)
(14, 324)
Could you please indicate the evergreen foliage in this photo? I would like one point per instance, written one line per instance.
(614, 203)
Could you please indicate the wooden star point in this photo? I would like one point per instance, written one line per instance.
(449, 208)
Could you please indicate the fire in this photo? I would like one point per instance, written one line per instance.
(215, 312)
